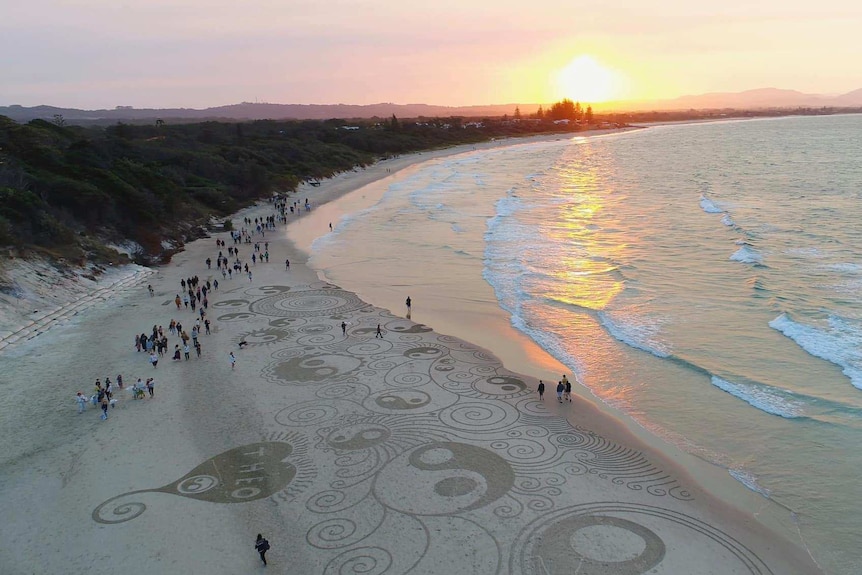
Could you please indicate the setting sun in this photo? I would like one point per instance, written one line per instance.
(585, 80)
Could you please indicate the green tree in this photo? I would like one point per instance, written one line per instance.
(540, 113)
(588, 115)
(517, 114)
(563, 110)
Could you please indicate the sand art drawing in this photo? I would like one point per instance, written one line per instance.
(434, 457)
(242, 474)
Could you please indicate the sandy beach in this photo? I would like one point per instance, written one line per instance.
(407, 451)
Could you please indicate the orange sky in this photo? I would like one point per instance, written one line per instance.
(161, 53)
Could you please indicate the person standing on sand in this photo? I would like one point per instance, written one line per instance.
(409, 302)
(379, 333)
(104, 404)
(186, 350)
(261, 545)
(287, 264)
(232, 360)
(81, 399)
(560, 389)
(154, 359)
(151, 384)
(568, 393)
(178, 301)
(343, 328)
(541, 390)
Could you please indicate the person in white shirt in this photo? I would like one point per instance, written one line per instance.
(82, 402)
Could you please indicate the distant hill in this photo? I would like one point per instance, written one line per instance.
(747, 100)
(762, 98)
(255, 111)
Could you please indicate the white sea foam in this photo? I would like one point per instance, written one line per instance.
(748, 255)
(765, 398)
(839, 343)
(636, 330)
(806, 252)
(749, 480)
(727, 220)
(709, 206)
(846, 268)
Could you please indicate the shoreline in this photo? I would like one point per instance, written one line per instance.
(337, 405)
(524, 356)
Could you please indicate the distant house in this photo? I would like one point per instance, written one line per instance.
(564, 121)
(474, 125)
(348, 128)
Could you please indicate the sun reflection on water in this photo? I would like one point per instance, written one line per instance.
(585, 273)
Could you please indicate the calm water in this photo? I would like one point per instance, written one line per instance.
(702, 278)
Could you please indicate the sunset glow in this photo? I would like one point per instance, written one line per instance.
(585, 80)
(191, 53)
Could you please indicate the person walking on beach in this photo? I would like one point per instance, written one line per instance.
(343, 328)
(287, 264)
(560, 389)
(568, 392)
(150, 289)
(198, 348)
(154, 359)
(151, 384)
(379, 332)
(186, 350)
(409, 302)
(178, 301)
(104, 404)
(81, 399)
(541, 390)
(261, 545)
(232, 360)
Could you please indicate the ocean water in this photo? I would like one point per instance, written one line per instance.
(704, 279)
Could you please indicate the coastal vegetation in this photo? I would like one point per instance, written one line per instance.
(69, 191)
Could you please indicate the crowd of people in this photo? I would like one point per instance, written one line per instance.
(103, 393)
(194, 296)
